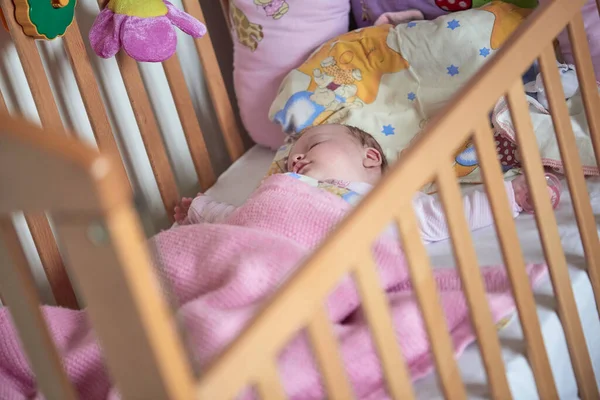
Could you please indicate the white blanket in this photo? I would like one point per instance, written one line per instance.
(546, 135)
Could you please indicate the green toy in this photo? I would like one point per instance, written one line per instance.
(45, 19)
(462, 5)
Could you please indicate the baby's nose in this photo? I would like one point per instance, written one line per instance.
(298, 157)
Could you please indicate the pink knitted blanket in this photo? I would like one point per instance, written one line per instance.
(220, 274)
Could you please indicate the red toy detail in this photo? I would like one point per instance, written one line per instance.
(454, 5)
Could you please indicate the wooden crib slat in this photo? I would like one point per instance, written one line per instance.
(189, 122)
(514, 261)
(225, 8)
(3, 107)
(50, 118)
(591, 101)
(269, 382)
(90, 93)
(376, 308)
(51, 260)
(34, 71)
(216, 86)
(573, 169)
(587, 79)
(555, 257)
(425, 288)
(18, 290)
(109, 259)
(470, 274)
(328, 357)
(146, 120)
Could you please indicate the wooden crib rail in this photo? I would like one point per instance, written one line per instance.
(347, 250)
(146, 120)
(101, 237)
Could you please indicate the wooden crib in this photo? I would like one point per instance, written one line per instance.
(101, 235)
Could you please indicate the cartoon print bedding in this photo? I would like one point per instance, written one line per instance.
(389, 81)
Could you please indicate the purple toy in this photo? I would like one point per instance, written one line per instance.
(143, 28)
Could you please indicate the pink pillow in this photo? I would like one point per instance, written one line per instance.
(272, 37)
(591, 21)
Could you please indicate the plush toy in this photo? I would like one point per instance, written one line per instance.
(143, 28)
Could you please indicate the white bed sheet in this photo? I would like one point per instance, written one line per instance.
(518, 371)
(238, 182)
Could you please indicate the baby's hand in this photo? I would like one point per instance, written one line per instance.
(181, 209)
(522, 193)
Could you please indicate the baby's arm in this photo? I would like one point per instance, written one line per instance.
(476, 206)
(202, 209)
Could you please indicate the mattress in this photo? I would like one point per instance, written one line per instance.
(520, 376)
(235, 185)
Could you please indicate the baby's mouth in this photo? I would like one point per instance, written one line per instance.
(298, 168)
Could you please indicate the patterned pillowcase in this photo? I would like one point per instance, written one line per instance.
(271, 37)
(389, 81)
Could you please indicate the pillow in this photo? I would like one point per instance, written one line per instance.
(389, 81)
(366, 12)
(270, 38)
(591, 21)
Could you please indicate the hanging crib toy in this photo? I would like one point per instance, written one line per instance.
(144, 29)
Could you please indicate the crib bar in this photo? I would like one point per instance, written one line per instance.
(43, 98)
(34, 71)
(591, 101)
(433, 315)
(146, 120)
(189, 122)
(145, 356)
(216, 86)
(377, 310)
(546, 221)
(269, 384)
(587, 78)
(225, 8)
(19, 291)
(514, 261)
(328, 356)
(470, 274)
(292, 310)
(90, 93)
(573, 169)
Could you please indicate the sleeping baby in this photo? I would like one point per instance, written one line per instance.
(349, 158)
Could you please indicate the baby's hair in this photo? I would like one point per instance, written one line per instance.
(367, 140)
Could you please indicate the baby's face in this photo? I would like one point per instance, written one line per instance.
(330, 152)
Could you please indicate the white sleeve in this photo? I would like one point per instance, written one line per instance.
(205, 210)
(432, 221)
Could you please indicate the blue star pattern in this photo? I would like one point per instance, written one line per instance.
(388, 130)
(484, 52)
(453, 24)
(411, 24)
(411, 96)
(452, 70)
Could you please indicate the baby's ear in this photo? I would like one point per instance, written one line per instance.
(372, 158)
(399, 17)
